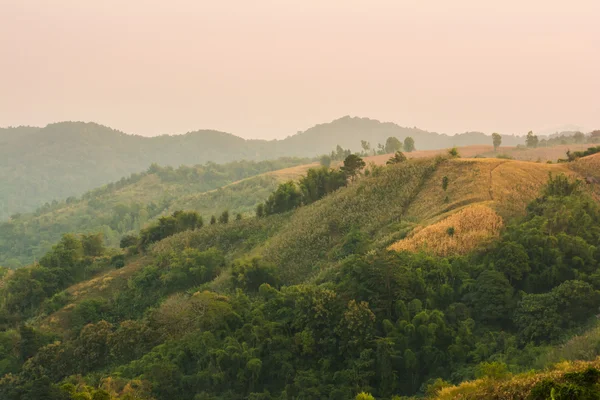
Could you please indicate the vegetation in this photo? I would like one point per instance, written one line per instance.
(497, 140)
(392, 145)
(126, 206)
(313, 303)
(409, 144)
(532, 140)
(572, 156)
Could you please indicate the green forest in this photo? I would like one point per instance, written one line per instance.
(302, 299)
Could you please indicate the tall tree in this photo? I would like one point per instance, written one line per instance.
(409, 144)
(352, 166)
(532, 140)
(366, 146)
(497, 140)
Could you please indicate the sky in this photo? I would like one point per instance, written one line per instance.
(270, 68)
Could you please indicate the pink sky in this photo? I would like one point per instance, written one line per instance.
(267, 69)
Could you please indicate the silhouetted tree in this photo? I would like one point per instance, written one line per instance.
(352, 166)
(497, 140)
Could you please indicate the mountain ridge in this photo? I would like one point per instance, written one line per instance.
(63, 159)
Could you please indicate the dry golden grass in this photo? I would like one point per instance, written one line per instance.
(588, 166)
(517, 387)
(472, 225)
(465, 151)
(293, 173)
(542, 154)
(504, 186)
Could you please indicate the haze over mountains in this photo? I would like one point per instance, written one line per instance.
(38, 165)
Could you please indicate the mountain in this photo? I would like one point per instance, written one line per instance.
(412, 278)
(39, 165)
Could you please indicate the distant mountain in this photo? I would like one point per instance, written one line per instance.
(38, 165)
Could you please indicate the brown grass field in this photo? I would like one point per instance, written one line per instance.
(472, 226)
(502, 186)
(541, 154)
(516, 387)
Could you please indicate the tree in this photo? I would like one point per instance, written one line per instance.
(93, 244)
(579, 137)
(325, 160)
(260, 210)
(319, 182)
(366, 146)
(352, 166)
(409, 144)
(492, 298)
(398, 158)
(453, 152)
(224, 218)
(128, 241)
(532, 140)
(445, 182)
(285, 198)
(392, 145)
(497, 140)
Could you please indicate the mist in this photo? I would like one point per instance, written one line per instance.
(267, 69)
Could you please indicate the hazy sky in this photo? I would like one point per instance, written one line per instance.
(260, 68)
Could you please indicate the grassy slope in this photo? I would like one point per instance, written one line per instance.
(86, 216)
(517, 387)
(404, 198)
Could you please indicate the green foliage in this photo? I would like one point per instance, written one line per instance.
(399, 157)
(445, 182)
(325, 161)
(532, 140)
(250, 275)
(224, 217)
(234, 311)
(392, 145)
(497, 140)
(453, 152)
(168, 226)
(285, 198)
(126, 206)
(492, 370)
(315, 185)
(572, 385)
(353, 164)
(319, 182)
(572, 156)
(409, 144)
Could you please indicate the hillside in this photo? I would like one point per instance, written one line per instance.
(127, 205)
(311, 303)
(39, 165)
